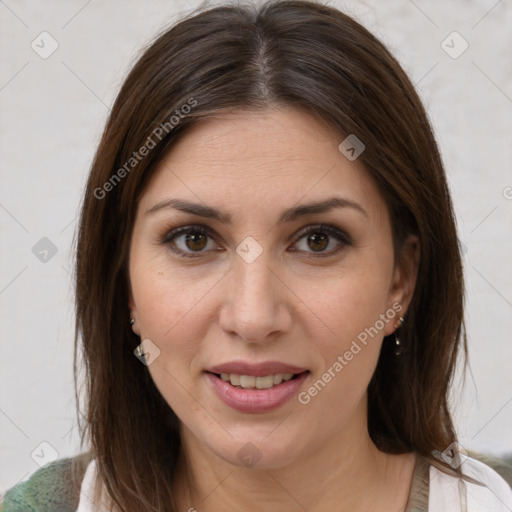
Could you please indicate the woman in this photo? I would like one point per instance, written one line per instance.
(269, 285)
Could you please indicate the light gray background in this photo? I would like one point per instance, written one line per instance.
(52, 115)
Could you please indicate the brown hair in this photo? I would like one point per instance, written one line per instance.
(293, 53)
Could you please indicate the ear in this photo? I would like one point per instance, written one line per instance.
(133, 312)
(404, 279)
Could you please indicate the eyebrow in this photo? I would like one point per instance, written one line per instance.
(288, 215)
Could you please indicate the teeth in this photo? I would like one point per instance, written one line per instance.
(236, 380)
(251, 382)
(247, 381)
(265, 382)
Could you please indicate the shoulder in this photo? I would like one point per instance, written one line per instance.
(54, 487)
(490, 492)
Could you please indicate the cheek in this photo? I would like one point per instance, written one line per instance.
(165, 298)
(347, 305)
(349, 352)
(351, 308)
(167, 305)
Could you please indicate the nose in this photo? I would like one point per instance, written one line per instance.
(255, 305)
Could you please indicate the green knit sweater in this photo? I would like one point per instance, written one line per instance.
(50, 489)
(53, 489)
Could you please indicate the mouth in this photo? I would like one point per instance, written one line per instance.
(256, 394)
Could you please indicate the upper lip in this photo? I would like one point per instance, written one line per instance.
(255, 369)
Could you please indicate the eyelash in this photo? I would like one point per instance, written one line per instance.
(332, 231)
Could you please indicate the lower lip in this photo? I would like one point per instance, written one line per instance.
(256, 400)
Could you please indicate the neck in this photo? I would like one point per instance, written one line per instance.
(345, 476)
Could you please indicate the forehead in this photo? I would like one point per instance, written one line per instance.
(253, 160)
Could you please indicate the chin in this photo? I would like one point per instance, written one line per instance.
(251, 453)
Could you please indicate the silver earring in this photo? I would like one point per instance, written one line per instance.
(132, 321)
(398, 345)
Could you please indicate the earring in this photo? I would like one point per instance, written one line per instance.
(398, 345)
(132, 321)
(139, 351)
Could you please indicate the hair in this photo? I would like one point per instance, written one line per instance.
(234, 58)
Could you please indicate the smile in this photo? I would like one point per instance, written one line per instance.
(256, 394)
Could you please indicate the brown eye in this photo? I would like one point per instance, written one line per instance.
(196, 242)
(319, 238)
(318, 242)
(188, 241)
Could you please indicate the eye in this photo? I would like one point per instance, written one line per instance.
(191, 241)
(320, 237)
(187, 238)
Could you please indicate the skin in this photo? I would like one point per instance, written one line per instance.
(287, 305)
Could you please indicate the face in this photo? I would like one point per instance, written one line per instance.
(313, 293)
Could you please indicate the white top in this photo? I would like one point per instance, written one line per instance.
(446, 492)
(450, 493)
(86, 503)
